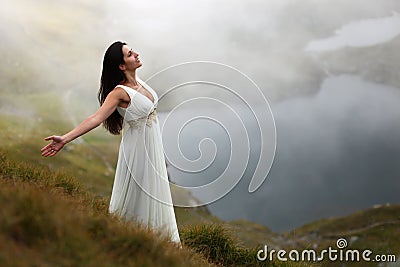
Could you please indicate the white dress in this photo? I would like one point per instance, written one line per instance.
(141, 190)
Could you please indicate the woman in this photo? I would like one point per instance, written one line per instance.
(141, 189)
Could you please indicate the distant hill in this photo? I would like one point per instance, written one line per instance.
(376, 229)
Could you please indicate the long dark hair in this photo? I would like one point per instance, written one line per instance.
(111, 76)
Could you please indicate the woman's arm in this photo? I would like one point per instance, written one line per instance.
(110, 104)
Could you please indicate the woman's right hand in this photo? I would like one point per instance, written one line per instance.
(56, 145)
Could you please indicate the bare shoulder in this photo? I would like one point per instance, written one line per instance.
(119, 94)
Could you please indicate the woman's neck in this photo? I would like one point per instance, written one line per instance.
(130, 78)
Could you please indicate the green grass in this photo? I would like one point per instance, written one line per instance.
(252, 234)
(215, 244)
(50, 219)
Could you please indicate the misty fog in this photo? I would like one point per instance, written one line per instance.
(329, 69)
(337, 152)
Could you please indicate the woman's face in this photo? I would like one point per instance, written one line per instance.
(131, 59)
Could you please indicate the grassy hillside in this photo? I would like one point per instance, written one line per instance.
(49, 219)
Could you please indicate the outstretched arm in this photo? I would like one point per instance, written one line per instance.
(110, 104)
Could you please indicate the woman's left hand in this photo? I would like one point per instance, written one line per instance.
(56, 145)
